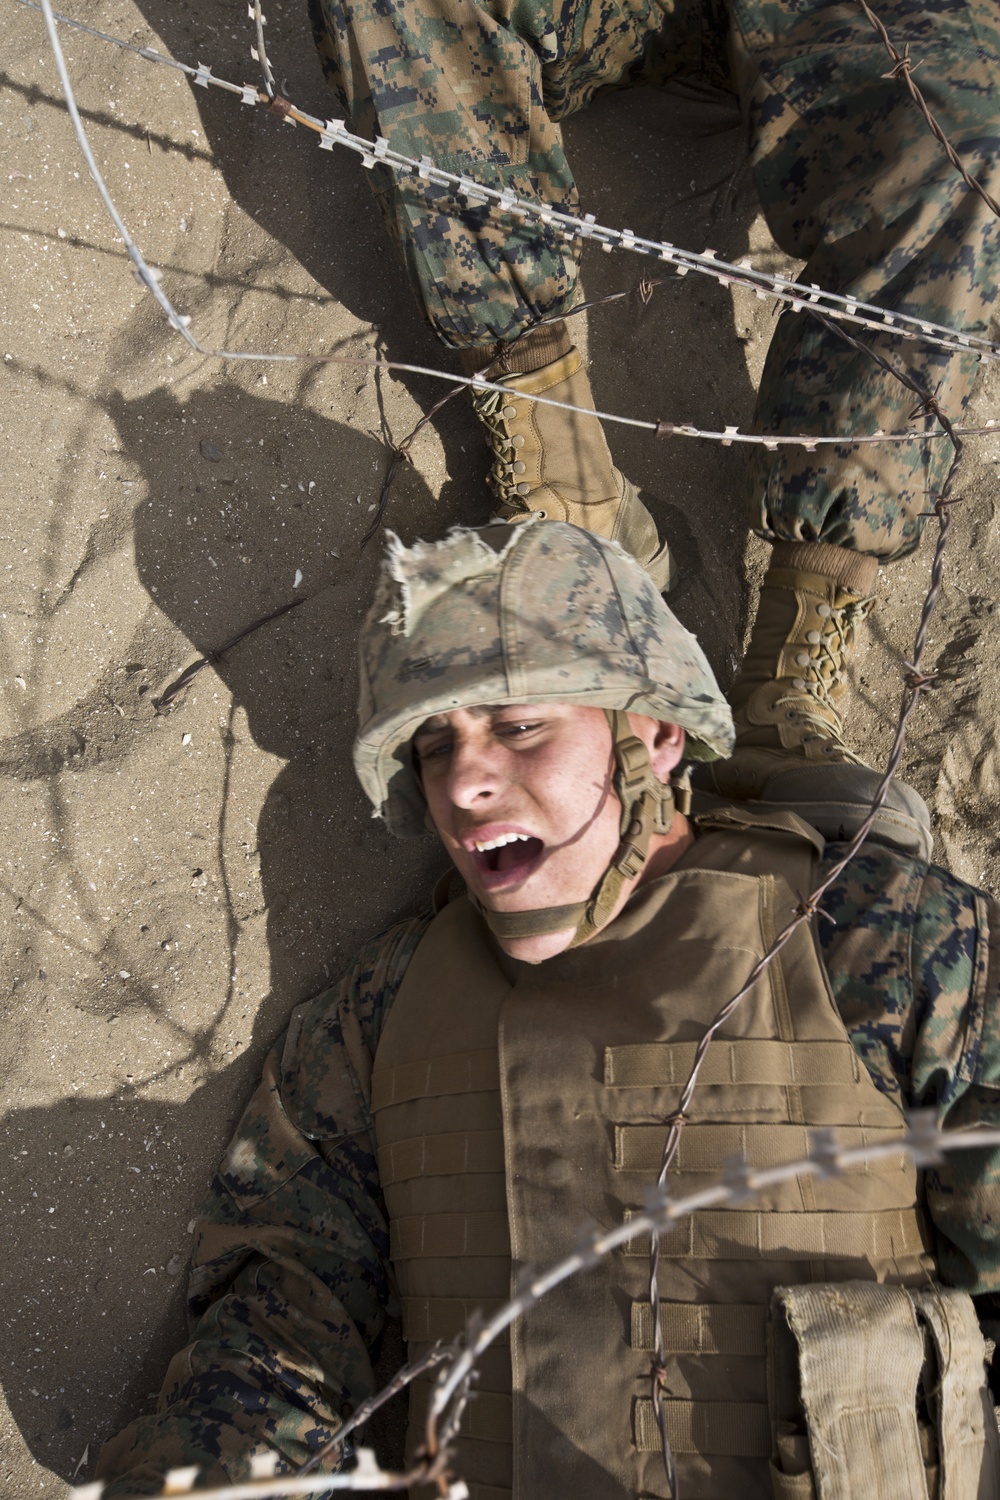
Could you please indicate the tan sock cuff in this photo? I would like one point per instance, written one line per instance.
(856, 571)
(531, 352)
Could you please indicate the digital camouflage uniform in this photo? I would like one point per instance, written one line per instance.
(291, 1284)
(849, 177)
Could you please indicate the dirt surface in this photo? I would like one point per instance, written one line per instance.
(173, 883)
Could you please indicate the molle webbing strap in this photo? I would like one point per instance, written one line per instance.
(441, 1155)
(727, 1234)
(639, 1148)
(858, 1352)
(731, 1429)
(782, 1064)
(733, 1328)
(427, 1319)
(446, 1236)
(453, 1073)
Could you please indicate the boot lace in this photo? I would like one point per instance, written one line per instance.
(504, 474)
(810, 697)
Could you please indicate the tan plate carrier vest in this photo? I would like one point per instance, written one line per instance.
(515, 1103)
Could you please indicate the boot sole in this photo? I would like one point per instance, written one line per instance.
(836, 800)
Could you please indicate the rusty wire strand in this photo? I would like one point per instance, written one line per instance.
(215, 654)
(903, 69)
(915, 682)
(399, 1382)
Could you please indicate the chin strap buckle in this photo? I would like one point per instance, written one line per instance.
(633, 760)
(680, 797)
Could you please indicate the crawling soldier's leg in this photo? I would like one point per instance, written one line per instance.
(852, 180)
(480, 88)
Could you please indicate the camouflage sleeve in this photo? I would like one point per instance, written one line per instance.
(290, 1283)
(913, 956)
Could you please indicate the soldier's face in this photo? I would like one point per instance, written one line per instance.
(523, 800)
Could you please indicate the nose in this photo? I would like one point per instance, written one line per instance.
(475, 773)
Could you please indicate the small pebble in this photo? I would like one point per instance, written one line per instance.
(211, 451)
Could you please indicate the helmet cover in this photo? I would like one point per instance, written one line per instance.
(533, 613)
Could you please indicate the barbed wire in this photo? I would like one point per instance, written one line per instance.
(454, 1387)
(920, 1139)
(150, 278)
(259, 53)
(903, 68)
(333, 132)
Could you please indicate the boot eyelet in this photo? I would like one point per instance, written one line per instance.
(802, 660)
(519, 467)
(824, 611)
(798, 683)
(518, 440)
(510, 412)
(813, 637)
(523, 489)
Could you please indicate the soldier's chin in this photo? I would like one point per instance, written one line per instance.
(535, 950)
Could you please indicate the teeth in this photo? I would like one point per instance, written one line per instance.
(500, 840)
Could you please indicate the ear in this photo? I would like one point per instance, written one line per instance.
(667, 749)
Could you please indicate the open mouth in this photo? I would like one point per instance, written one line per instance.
(507, 858)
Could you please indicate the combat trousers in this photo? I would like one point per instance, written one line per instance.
(849, 177)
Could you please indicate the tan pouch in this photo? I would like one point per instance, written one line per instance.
(848, 1367)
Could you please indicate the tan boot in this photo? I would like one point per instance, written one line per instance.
(556, 463)
(790, 751)
(785, 699)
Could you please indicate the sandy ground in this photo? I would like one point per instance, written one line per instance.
(172, 884)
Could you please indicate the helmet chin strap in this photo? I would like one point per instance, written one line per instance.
(648, 807)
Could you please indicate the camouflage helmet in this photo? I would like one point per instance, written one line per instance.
(534, 613)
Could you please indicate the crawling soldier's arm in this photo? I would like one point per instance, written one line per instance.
(290, 1284)
(913, 956)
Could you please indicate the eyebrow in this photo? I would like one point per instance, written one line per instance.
(439, 721)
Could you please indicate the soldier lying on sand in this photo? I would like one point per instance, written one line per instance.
(486, 1079)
